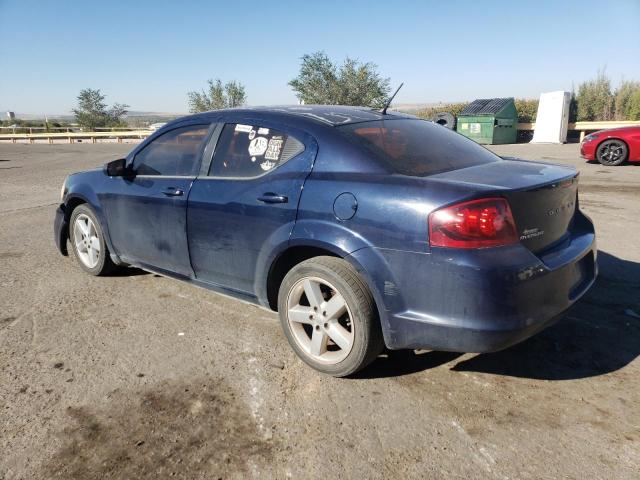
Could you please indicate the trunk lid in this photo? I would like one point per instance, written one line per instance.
(542, 196)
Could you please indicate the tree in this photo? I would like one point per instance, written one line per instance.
(624, 93)
(219, 96)
(429, 112)
(634, 106)
(595, 101)
(573, 106)
(92, 112)
(527, 109)
(320, 81)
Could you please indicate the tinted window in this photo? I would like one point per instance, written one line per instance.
(416, 147)
(176, 152)
(246, 151)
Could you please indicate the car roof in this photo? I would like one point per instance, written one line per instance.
(331, 115)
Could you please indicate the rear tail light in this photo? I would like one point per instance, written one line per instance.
(476, 224)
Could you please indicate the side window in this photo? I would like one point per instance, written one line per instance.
(247, 151)
(176, 152)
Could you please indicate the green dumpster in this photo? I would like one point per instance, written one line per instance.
(489, 121)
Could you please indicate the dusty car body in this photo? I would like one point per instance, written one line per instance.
(362, 229)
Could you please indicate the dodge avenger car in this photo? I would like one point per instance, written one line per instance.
(362, 229)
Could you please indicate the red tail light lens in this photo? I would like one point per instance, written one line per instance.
(476, 224)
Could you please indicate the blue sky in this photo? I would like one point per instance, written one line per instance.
(148, 54)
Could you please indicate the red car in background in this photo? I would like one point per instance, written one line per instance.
(612, 147)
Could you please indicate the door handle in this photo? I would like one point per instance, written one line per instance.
(271, 197)
(172, 192)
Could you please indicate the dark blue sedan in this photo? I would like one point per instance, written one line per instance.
(362, 229)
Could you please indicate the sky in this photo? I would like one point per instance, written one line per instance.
(149, 54)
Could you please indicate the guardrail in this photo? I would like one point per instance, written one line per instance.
(582, 127)
(73, 136)
(69, 128)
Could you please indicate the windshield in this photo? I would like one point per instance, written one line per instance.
(416, 147)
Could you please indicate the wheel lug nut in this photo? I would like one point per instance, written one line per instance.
(315, 309)
(317, 327)
(326, 325)
(324, 314)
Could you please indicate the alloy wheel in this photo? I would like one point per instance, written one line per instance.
(320, 320)
(612, 152)
(86, 240)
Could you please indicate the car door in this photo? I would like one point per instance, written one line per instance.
(147, 213)
(247, 201)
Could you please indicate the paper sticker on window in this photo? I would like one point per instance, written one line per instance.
(258, 146)
(263, 131)
(267, 165)
(274, 148)
(243, 128)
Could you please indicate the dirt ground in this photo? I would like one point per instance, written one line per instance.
(139, 376)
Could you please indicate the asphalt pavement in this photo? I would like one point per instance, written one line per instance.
(140, 376)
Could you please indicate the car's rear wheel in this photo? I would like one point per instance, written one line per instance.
(87, 242)
(612, 152)
(329, 317)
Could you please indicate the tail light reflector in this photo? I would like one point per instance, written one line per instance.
(487, 222)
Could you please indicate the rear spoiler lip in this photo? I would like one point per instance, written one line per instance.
(488, 189)
(539, 162)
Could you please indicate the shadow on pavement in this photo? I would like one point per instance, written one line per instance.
(129, 272)
(598, 335)
(395, 363)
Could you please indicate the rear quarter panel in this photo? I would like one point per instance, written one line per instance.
(391, 210)
(391, 216)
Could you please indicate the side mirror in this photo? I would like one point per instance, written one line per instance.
(117, 168)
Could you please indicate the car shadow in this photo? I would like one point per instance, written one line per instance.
(129, 272)
(598, 335)
(625, 164)
(395, 363)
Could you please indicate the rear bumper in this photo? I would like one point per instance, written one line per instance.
(61, 230)
(480, 300)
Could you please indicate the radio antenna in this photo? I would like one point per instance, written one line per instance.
(384, 109)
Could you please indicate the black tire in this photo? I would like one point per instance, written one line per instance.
(612, 152)
(445, 119)
(361, 312)
(104, 263)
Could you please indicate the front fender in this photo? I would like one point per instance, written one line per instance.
(82, 192)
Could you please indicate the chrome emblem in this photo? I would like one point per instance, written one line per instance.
(531, 233)
(561, 208)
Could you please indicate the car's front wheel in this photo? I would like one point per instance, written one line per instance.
(612, 152)
(329, 316)
(87, 242)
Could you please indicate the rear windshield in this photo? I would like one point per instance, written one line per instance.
(416, 147)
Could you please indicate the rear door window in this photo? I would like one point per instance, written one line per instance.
(416, 147)
(249, 151)
(175, 153)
